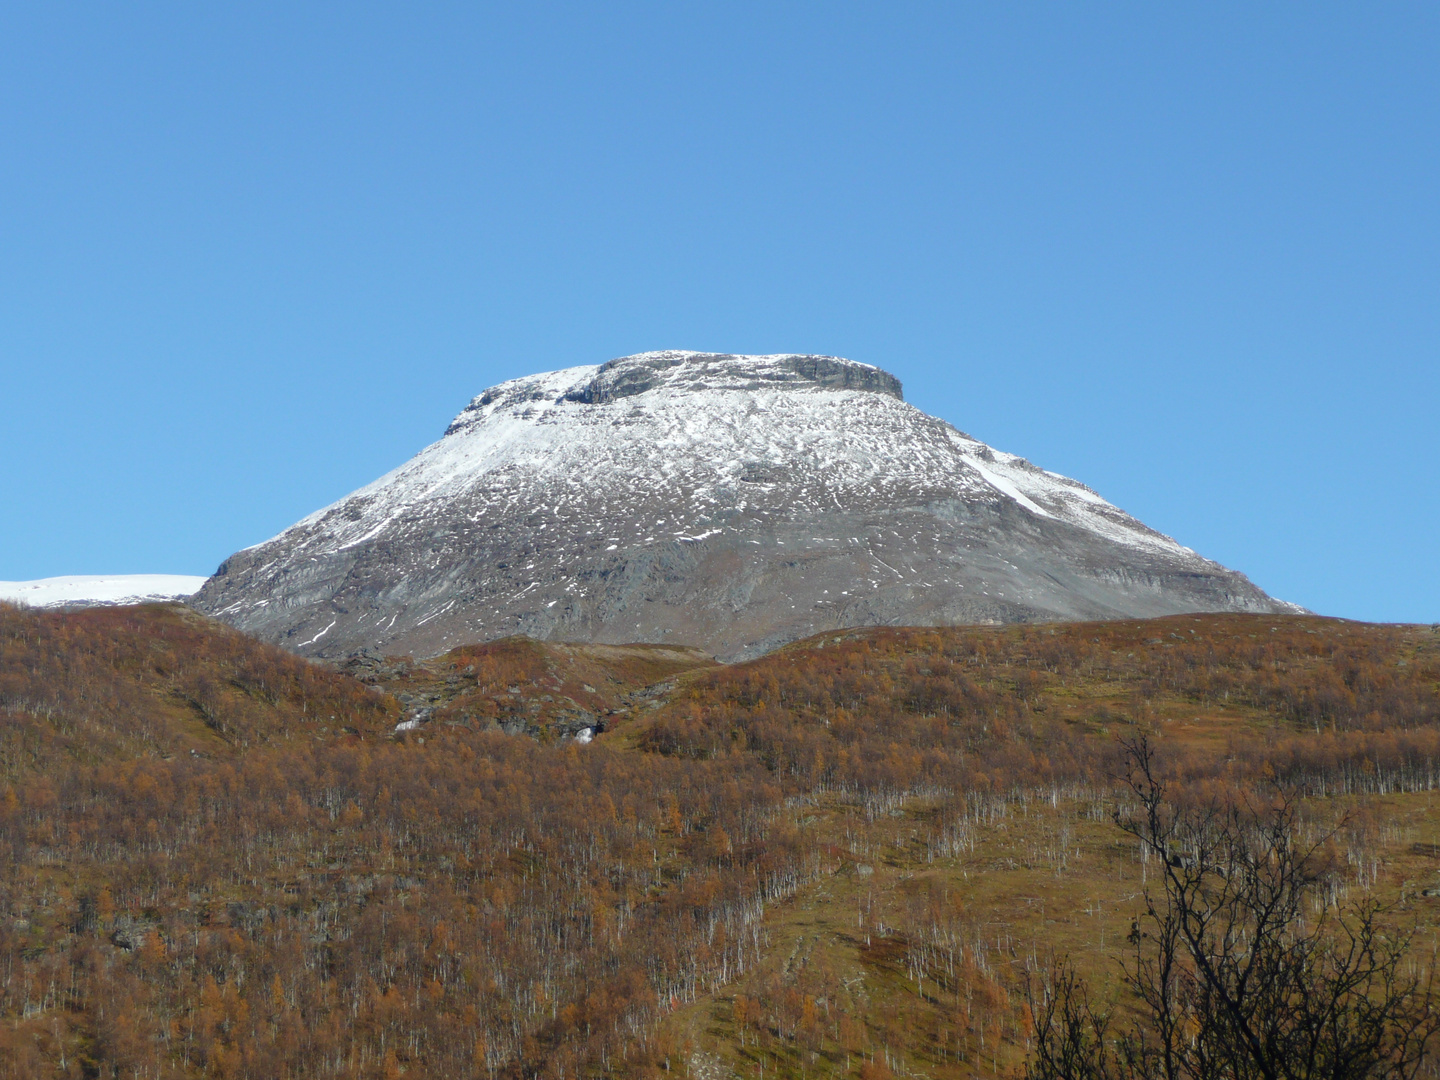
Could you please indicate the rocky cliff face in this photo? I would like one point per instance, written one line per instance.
(729, 502)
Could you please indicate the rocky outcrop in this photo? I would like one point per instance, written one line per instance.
(631, 375)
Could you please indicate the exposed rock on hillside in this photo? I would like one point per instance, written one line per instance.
(521, 686)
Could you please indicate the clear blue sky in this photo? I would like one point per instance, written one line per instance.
(252, 256)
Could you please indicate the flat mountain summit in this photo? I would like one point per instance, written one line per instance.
(733, 503)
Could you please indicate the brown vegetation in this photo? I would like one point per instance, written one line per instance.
(1243, 962)
(840, 858)
(537, 688)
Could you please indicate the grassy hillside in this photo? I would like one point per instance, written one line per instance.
(156, 681)
(839, 859)
(962, 782)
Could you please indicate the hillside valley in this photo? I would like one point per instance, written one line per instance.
(841, 858)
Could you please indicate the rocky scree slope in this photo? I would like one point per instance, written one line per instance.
(732, 503)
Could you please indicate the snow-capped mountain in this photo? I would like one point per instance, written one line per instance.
(729, 502)
(100, 590)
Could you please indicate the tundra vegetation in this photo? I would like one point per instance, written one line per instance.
(880, 853)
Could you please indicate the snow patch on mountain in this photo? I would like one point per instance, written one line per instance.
(691, 428)
(100, 590)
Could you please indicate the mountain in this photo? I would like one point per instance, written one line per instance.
(100, 590)
(728, 502)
